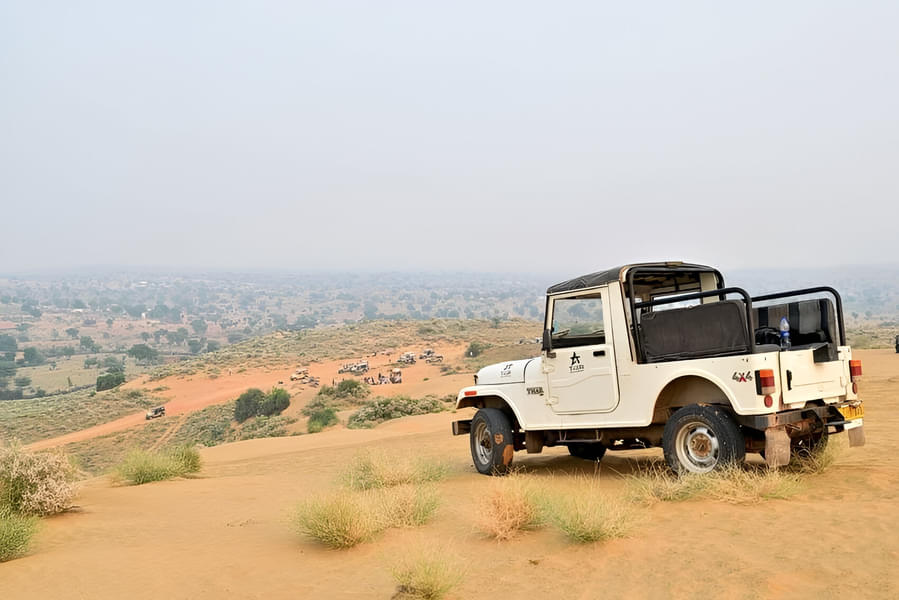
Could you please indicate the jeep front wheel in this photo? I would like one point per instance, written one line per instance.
(699, 439)
(491, 442)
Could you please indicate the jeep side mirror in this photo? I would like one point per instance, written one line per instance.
(547, 340)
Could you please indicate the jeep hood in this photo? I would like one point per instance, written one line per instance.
(505, 372)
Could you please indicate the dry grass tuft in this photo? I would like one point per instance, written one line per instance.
(426, 575)
(341, 520)
(407, 505)
(818, 459)
(735, 484)
(374, 470)
(15, 535)
(512, 506)
(585, 515)
(142, 466)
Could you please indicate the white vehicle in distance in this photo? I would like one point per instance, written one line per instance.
(664, 354)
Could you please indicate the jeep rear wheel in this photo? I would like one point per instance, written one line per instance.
(700, 439)
(491, 442)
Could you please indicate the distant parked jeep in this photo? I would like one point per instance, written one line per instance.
(158, 411)
(656, 354)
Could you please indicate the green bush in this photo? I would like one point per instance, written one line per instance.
(384, 409)
(110, 381)
(142, 466)
(339, 521)
(276, 401)
(350, 388)
(318, 420)
(15, 535)
(247, 404)
(475, 349)
(254, 402)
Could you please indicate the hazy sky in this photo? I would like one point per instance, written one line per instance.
(553, 136)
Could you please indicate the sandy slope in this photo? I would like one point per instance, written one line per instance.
(226, 534)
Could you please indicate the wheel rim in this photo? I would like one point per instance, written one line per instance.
(483, 445)
(697, 447)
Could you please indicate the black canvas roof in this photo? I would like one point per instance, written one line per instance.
(602, 277)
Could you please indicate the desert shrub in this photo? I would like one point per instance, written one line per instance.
(15, 535)
(110, 381)
(318, 420)
(187, 459)
(475, 349)
(338, 521)
(384, 409)
(373, 470)
(407, 505)
(736, 484)
(35, 483)
(509, 508)
(247, 404)
(351, 388)
(260, 427)
(254, 402)
(585, 516)
(274, 402)
(428, 575)
(142, 466)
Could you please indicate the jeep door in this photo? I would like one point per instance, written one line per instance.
(580, 370)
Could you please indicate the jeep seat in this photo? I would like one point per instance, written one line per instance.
(703, 330)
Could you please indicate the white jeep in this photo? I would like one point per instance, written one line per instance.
(656, 354)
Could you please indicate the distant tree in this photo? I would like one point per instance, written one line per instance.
(113, 364)
(109, 322)
(72, 333)
(145, 336)
(4, 383)
(8, 343)
(195, 345)
(88, 343)
(109, 381)
(248, 404)
(33, 357)
(143, 353)
(67, 351)
(199, 326)
(22, 382)
(91, 362)
(23, 327)
(78, 303)
(212, 346)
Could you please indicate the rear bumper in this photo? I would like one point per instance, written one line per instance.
(826, 414)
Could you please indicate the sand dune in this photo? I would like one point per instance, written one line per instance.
(226, 534)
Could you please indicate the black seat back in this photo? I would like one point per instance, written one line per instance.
(704, 330)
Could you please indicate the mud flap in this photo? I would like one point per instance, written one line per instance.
(533, 441)
(856, 436)
(777, 447)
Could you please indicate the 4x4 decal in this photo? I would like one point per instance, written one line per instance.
(742, 377)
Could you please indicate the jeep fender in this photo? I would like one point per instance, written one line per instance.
(690, 386)
(489, 398)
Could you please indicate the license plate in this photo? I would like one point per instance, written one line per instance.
(852, 412)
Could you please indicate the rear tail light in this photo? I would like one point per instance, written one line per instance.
(764, 382)
(855, 369)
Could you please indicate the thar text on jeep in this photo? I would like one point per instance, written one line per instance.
(665, 354)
